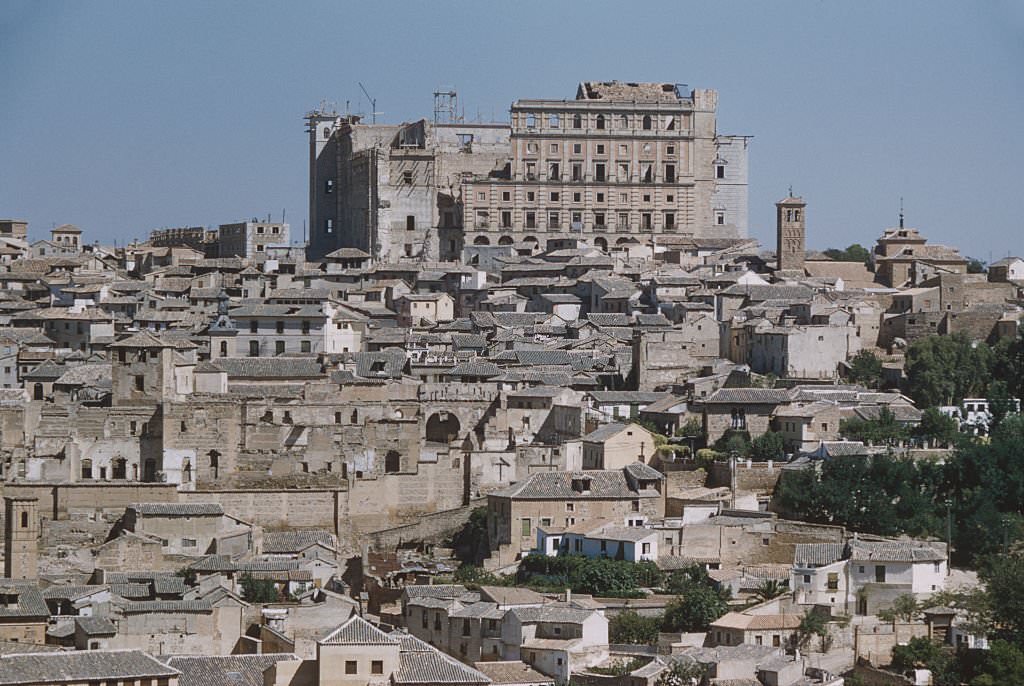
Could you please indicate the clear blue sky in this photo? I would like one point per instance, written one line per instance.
(128, 116)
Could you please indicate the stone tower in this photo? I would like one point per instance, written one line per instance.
(790, 222)
(21, 538)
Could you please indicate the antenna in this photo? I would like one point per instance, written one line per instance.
(373, 103)
(901, 211)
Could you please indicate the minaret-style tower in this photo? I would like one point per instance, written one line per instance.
(21, 538)
(791, 233)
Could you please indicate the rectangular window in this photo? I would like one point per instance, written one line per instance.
(254, 348)
(305, 346)
(670, 220)
(506, 219)
(407, 177)
(554, 196)
(525, 526)
(553, 220)
(577, 171)
(188, 543)
(880, 574)
(329, 186)
(720, 171)
(350, 667)
(645, 221)
(506, 196)
(670, 173)
(482, 221)
(531, 196)
(140, 382)
(553, 171)
(531, 220)
(600, 171)
(598, 218)
(645, 548)
(600, 148)
(279, 347)
(577, 148)
(254, 326)
(377, 667)
(531, 171)
(279, 327)
(623, 220)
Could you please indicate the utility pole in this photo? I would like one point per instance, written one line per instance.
(949, 535)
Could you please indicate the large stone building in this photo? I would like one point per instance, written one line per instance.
(393, 190)
(623, 162)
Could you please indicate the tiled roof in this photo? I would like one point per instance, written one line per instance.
(478, 367)
(70, 591)
(178, 509)
(225, 670)
(86, 665)
(559, 486)
(436, 591)
(30, 600)
(897, 551)
(96, 626)
(179, 606)
(511, 595)
(551, 612)
(817, 554)
(512, 672)
(271, 367)
(131, 590)
(643, 472)
(420, 663)
(293, 541)
(357, 631)
(387, 364)
(611, 397)
(761, 396)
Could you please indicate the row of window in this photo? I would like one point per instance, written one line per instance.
(623, 149)
(554, 220)
(601, 121)
(601, 173)
(577, 196)
(279, 348)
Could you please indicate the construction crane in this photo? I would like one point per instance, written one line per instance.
(373, 103)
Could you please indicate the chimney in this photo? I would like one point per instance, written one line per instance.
(568, 594)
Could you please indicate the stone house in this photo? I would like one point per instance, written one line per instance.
(600, 539)
(616, 445)
(555, 639)
(1006, 269)
(864, 577)
(804, 425)
(415, 309)
(633, 494)
(741, 409)
(23, 613)
(735, 628)
(191, 528)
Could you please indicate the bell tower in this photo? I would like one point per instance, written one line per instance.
(791, 234)
(21, 538)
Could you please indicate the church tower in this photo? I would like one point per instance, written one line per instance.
(21, 538)
(790, 222)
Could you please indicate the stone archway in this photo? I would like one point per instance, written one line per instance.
(443, 427)
(481, 240)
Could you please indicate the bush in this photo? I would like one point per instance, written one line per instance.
(597, 576)
(630, 627)
(258, 590)
(768, 446)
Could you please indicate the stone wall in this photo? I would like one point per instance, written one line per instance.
(59, 501)
(758, 477)
(436, 526)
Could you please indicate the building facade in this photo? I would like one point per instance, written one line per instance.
(623, 162)
(251, 239)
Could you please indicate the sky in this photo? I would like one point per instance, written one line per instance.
(123, 117)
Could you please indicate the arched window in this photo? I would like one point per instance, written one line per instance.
(577, 121)
(215, 463)
(531, 121)
(327, 132)
(223, 348)
(392, 462)
(553, 121)
(647, 122)
(354, 419)
(600, 121)
(481, 240)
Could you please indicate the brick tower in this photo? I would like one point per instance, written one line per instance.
(790, 221)
(21, 538)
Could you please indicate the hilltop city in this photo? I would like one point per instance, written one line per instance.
(524, 404)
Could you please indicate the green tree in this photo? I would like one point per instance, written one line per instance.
(885, 429)
(866, 369)
(1002, 663)
(770, 588)
(924, 653)
(682, 672)
(734, 441)
(854, 253)
(937, 427)
(975, 266)
(812, 624)
(1000, 403)
(471, 541)
(943, 370)
(629, 626)
(258, 590)
(768, 446)
(904, 609)
(1004, 579)
(188, 574)
(694, 610)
